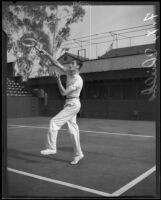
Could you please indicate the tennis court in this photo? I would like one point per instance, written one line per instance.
(119, 159)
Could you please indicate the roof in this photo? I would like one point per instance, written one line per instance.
(123, 61)
(127, 51)
(116, 59)
(80, 58)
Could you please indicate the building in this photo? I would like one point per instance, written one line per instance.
(112, 86)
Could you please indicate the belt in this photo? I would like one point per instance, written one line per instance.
(72, 97)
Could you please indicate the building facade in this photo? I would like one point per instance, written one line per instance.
(113, 86)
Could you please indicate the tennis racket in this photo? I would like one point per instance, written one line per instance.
(32, 43)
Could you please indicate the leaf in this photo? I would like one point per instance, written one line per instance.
(66, 10)
(18, 9)
(20, 22)
(53, 7)
(27, 21)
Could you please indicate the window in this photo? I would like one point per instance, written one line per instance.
(54, 93)
(65, 58)
(96, 90)
(129, 91)
(115, 92)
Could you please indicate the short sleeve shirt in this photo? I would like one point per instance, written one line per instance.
(75, 83)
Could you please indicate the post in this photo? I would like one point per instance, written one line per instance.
(96, 51)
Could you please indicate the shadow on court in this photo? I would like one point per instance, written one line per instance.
(29, 157)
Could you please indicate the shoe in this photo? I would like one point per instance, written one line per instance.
(76, 159)
(48, 152)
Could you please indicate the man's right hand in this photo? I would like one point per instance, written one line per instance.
(53, 60)
(56, 74)
(43, 52)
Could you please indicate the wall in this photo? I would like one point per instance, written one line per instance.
(116, 99)
(111, 94)
(18, 106)
(118, 109)
(108, 109)
(10, 70)
(53, 107)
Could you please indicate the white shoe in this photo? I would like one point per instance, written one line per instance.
(48, 152)
(76, 159)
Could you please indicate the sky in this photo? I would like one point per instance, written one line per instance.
(99, 19)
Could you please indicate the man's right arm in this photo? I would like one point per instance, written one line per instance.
(54, 62)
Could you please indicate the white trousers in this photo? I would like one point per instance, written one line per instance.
(67, 115)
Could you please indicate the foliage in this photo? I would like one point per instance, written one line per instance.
(41, 22)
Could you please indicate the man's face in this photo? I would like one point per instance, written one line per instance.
(73, 67)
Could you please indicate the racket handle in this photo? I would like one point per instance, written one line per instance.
(38, 50)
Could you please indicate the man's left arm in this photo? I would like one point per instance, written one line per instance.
(62, 90)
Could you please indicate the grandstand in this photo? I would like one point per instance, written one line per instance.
(17, 89)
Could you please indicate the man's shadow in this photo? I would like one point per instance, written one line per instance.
(34, 158)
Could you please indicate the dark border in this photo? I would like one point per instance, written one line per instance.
(4, 99)
(4, 116)
(158, 176)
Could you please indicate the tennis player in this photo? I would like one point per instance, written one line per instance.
(68, 114)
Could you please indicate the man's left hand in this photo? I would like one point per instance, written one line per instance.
(56, 74)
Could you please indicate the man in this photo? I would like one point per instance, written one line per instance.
(68, 115)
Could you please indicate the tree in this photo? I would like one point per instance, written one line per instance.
(50, 25)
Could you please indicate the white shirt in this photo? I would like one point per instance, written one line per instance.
(76, 83)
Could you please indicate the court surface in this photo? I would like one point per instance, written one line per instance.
(119, 159)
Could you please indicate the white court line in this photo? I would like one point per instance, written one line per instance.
(114, 194)
(134, 182)
(100, 132)
(19, 126)
(61, 183)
